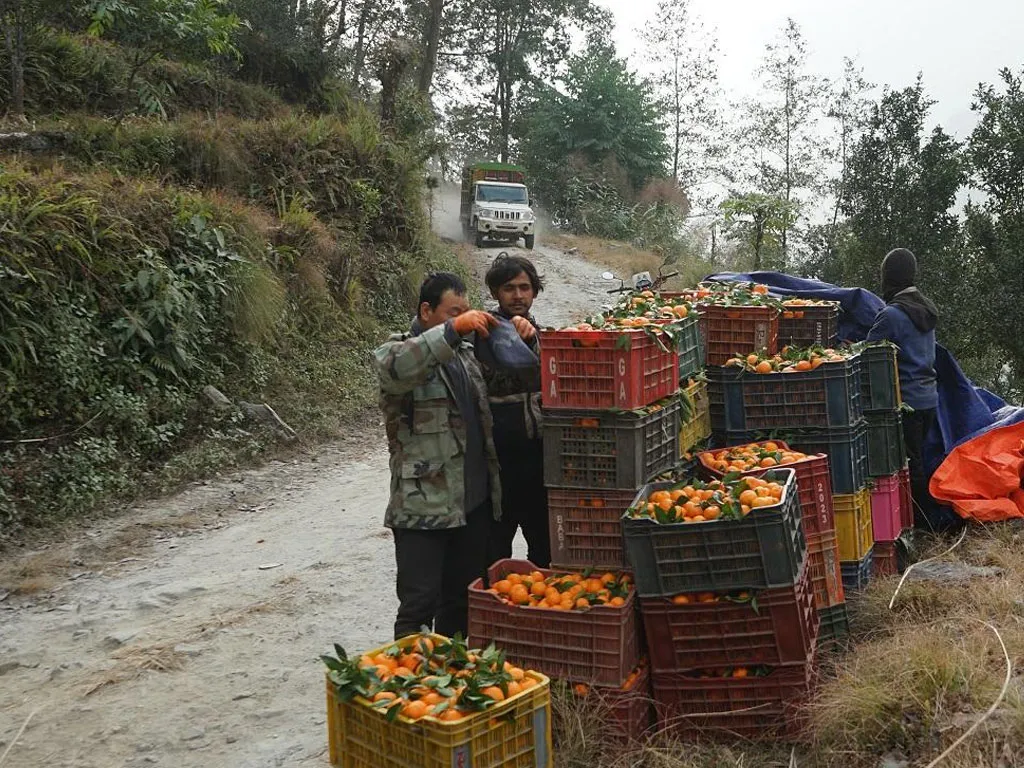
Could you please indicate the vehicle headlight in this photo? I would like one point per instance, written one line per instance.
(528, 216)
(486, 213)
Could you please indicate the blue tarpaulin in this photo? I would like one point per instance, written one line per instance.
(965, 411)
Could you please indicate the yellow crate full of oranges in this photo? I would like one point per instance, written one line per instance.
(430, 701)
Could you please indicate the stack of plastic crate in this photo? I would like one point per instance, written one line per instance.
(611, 422)
(891, 508)
(817, 517)
(729, 614)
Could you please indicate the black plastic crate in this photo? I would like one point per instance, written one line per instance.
(835, 626)
(610, 449)
(886, 451)
(828, 396)
(811, 325)
(879, 378)
(847, 449)
(857, 573)
(691, 351)
(765, 549)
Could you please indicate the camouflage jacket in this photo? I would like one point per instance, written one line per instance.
(514, 395)
(426, 433)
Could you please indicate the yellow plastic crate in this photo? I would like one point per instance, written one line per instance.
(853, 524)
(697, 427)
(515, 733)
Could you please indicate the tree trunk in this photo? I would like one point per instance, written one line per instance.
(398, 56)
(758, 244)
(359, 57)
(431, 43)
(678, 116)
(14, 35)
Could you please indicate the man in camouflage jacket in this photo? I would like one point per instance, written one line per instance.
(445, 488)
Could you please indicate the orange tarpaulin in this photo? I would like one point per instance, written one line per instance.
(981, 478)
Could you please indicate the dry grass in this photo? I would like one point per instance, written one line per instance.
(35, 572)
(921, 674)
(624, 259)
(916, 678)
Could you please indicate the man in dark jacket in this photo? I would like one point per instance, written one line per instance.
(514, 397)
(908, 320)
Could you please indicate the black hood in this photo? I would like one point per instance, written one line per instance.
(919, 308)
(899, 272)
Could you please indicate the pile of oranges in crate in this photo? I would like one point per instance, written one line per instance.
(699, 502)
(441, 679)
(562, 592)
(743, 458)
(789, 360)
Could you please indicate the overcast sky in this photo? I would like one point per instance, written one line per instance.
(956, 47)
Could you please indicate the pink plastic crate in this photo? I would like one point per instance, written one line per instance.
(886, 517)
(906, 504)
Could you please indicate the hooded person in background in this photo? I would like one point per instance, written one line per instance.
(908, 320)
(514, 397)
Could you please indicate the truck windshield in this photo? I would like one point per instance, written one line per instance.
(488, 193)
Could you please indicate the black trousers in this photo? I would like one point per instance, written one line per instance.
(435, 569)
(916, 427)
(524, 501)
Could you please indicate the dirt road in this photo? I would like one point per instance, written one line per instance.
(186, 633)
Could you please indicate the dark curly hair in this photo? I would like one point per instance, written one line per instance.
(507, 267)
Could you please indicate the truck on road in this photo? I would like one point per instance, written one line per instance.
(496, 204)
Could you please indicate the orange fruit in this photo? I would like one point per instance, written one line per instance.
(536, 576)
(414, 710)
(747, 497)
(517, 674)
(450, 715)
(617, 601)
(504, 586)
(681, 600)
(384, 696)
(752, 359)
(493, 692)
(514, 688)
(763, 367)
(538, 588)
(432, 699)
(583, 603)
(580, 689)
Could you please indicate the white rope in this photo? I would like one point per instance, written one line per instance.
(15, 739)
(912, 566)
(990, 710)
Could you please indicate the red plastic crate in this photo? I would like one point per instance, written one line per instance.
(886, 513)
(626, 712)
(752, 707)
(885, 559)
(814, 487)
(597, 646)
(826, 570)
(738, 330)
(606, 369)
(778, 626)
(586, 528)
(906, 502)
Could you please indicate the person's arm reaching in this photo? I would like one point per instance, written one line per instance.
(882, 330)
(404, 365)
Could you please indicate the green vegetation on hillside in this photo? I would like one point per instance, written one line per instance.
(244, 244)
